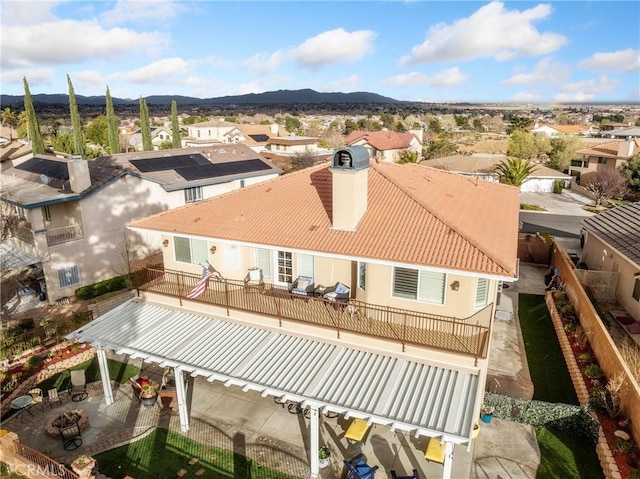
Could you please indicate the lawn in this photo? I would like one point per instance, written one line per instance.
(551, 380)
(163, 453)
(118, 371)
(565, 456)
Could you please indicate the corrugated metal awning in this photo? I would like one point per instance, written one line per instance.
(12, 257)
(400, 393)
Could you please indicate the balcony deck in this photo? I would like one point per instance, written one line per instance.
(465, 336)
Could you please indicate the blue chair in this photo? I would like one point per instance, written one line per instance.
(358, 469)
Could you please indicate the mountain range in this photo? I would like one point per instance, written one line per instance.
(305, 96)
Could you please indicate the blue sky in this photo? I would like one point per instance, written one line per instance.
(433, 51)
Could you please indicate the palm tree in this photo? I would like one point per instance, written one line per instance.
(10, 119)
(514, 171)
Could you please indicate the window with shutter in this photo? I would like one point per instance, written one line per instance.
(182, 249)
(431, 287)
(199, 251)
(190, 250)
(405, 283)
(68, 276)
(482, 292)
(305, 265)
(263, 261)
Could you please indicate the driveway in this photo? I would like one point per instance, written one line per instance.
(566, 203)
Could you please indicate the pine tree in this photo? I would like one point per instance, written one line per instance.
(175, 127)
(35, 135)
(145, 126)
(76, 124)
(112, 123)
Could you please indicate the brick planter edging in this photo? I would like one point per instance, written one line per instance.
(44, 374)
(603, 451)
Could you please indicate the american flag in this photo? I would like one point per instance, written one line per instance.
(201, 286)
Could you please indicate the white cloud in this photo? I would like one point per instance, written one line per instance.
(344, 84)
(525, 97)
(70, 41)
(136, 11)
(492, 31)
(450, 77)
(35, 76)
(586, 90)
(263, 63)
(159, 71)
(545, 71)
(26, 13)
(334, 46)
(625, 61)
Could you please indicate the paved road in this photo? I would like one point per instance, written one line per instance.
(565, 226)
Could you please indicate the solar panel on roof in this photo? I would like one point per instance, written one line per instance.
(214, 170)
(259, 137)
(42, 166)
(169, 163)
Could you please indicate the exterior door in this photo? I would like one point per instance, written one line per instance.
(283, 268)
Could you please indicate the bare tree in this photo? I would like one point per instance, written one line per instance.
(302, 160)
(607, 184)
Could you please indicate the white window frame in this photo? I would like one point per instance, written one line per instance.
(198, 250)
(283, 275)
(191, 195)
(232, 258)
(68, 276)
(426, 283)
(263, 261)
(482, 292)
(305, 265)
(362, 275)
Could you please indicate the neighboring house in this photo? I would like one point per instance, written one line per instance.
(292, 145)
(552, 131)
(624, 134)
(385, 146)
(542, 180)
(421, 254)
(255, 137)
(614, 126)
(74, 212)
(608, 155)
(159, 135)
(612, 243)
(14, 152)
(207, 133)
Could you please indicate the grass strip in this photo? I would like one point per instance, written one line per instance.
(118, 371)
(565, 456)
(549, 373)
(163, 453)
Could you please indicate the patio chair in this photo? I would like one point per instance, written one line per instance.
(71, 437)
(254, 279)
(357, 430)
(37, 398)
(357, 468)
(78, 389)
(302, 286)
(53, 397)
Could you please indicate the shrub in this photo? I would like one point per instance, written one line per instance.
(585, 358)
(33, 362)
(27, 324)
(593, 371)
(557, 186)
(101, 287)
(570, 327)
(634, 474)
(625, 446)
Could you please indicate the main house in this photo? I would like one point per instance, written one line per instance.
(603, 156)
(73, 213)
(356, 287)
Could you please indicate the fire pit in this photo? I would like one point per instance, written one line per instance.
(66, 419)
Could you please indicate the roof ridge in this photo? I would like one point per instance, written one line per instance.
(472, 241)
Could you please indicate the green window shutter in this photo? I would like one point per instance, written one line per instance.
(199, 251)
(182, 249)
(431, 288)
(305, 265)
(263, 261)
(482, 292)
(405, 283)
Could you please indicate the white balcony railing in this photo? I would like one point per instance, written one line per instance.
(65, 234)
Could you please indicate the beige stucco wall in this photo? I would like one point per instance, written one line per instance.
(599, 256)
(329, 271)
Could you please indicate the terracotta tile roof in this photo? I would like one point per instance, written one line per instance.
(381, 140)
(416, 215)
(609, 148)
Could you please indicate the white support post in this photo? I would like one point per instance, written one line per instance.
(315, 442)
(448, 460)
(182, 399)
(104, 372)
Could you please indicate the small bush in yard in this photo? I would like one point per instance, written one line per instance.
(101, 287)
(593, 371)
(33, 362)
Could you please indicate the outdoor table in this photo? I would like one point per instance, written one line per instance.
(21, 404)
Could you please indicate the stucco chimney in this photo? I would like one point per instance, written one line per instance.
(79, 178)
(274, 129)
(625, 148)
(350, 173)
